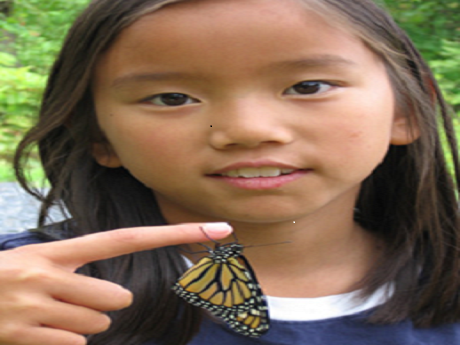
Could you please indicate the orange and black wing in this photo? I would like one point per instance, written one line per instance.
(229, 290)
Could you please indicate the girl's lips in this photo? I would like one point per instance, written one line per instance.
(261, 183)
(255, 164)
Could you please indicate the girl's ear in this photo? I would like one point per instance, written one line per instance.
(104, 154)
(405, 128)
(404, 131)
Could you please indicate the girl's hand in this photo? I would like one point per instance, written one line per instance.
(42, 300)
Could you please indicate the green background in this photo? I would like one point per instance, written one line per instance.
(31, 35)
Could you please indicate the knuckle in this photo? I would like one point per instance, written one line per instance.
(25, 307)
(22, 305)
(10, 332)
(34, 275)
(32, 307)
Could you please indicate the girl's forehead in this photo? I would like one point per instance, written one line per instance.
(221, 7)
(231, 22)
(230, 14)
(233, 35)
(221, 14)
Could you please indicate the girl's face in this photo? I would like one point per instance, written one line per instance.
(207, 88)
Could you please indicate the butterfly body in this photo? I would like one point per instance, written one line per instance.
(225, 284)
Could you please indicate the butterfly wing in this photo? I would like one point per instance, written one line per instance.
(254, 321)
(229, 290)
(197, 285)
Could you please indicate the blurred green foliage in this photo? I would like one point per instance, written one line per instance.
(31, 36)
(30, 39)
(434, 26)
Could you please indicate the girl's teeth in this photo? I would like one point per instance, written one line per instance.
(257, 172)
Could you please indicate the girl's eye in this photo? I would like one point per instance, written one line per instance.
(308, 88)
(170, 99)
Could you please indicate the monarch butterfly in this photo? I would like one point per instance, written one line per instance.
(225, 284)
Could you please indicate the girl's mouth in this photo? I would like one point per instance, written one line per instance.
(257, 172)
(260, 178)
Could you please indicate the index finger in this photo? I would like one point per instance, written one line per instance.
(76, 252)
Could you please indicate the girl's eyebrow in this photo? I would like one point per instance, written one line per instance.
(318, 61)
(140, 77)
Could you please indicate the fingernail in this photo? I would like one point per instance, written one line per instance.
(217, 229)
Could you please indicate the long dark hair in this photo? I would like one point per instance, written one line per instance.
(410, 200)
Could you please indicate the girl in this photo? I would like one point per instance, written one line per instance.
(309, 121)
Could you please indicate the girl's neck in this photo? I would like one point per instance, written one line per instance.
(323, 258)
(326, 255)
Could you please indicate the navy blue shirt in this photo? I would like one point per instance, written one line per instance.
(343, 330)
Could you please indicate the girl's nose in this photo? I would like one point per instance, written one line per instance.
(250, 123)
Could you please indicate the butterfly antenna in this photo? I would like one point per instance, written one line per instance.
(216, 242)
(234, 236)
(208, 249)
(207, 236)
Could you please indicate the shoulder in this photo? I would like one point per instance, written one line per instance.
(48, 233)
(10, 241)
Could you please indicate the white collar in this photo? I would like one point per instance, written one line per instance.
(327, 307)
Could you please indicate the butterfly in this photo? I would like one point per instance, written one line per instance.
(225, 284)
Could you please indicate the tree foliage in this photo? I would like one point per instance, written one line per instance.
(435, 28)
(31, 35)
(29, 41)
